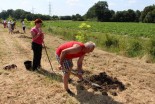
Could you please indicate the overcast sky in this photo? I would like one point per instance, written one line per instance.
(70, 7)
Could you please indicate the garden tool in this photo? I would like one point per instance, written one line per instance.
(47, 56)
(91, 83)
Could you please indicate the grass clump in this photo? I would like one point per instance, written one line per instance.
(135, 49)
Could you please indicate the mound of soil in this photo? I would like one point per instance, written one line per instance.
(104, 83)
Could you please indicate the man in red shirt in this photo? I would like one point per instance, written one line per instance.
(66, 52)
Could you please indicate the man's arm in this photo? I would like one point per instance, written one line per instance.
(79, 62)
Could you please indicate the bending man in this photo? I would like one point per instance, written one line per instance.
(66, 52)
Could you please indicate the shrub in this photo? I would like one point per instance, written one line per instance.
(111, 41)
(134, 49)
(152, 48)
(50, 29)
(82, 36)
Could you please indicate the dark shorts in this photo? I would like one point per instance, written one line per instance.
(67, 64)
(23, 28)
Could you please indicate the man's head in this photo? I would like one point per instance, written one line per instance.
(89, 47)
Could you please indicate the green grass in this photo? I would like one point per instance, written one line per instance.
(129, 39)
(131, 29)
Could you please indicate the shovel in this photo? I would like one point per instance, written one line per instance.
(91, 83)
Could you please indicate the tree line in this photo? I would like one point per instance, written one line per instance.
(98, 12)
(21, 14)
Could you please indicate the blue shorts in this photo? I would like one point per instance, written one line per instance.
(67, 64)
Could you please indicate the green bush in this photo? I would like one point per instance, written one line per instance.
(111, 41)
(135, 49)
(152, 48)
(82, 35)
(50, 29)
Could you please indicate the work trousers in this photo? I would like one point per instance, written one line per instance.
(37, 53)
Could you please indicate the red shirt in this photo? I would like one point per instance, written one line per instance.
(68, 45)
(38, 40)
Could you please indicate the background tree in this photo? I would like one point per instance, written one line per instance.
(77, 17)
(100, 12)
(101, 8)
(4, 14)
(54, 17)
(90, 14)
(138, 14)
(65, 18)
(21, 14)
(147, 14)
(150, 17)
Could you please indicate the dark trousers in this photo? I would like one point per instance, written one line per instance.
(37, 53)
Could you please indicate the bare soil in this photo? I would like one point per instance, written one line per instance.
(123, 80)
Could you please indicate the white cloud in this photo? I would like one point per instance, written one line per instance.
(72, 2)
(111, 4)
(132, 1)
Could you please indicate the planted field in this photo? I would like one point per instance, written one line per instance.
(117, 28)
(127, 39)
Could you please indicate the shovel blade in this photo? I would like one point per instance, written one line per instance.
(96, 85)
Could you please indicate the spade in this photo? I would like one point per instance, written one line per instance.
(92, 83)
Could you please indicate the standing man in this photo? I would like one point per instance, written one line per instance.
(23, 26)
(9, 27)
(66, 52)
(37, 40)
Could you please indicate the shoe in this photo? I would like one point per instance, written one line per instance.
(34, 69)
(39, 67)
(70, 92)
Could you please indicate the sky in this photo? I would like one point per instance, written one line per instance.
(71, 7)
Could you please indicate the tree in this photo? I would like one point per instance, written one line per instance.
(150, 17)
(138, 14)
(21, 14)
(4, 14)
(101, 8)
(65, 18)
(146, 13)
(131, 15)
(54, 17)
(90, 13)
(125, 16)
(100, 12)
(77, 17)
(10, 12)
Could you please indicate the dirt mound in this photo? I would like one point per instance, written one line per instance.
(104, 83)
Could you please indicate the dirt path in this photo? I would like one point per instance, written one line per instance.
(19, 86)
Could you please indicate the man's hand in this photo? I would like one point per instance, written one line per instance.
(60, 67)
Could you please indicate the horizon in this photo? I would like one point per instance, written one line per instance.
(72, 7)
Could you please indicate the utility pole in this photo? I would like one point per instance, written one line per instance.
(50, 9)
(33, 10)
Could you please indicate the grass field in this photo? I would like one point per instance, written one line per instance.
(128, 39)
(118, 28)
